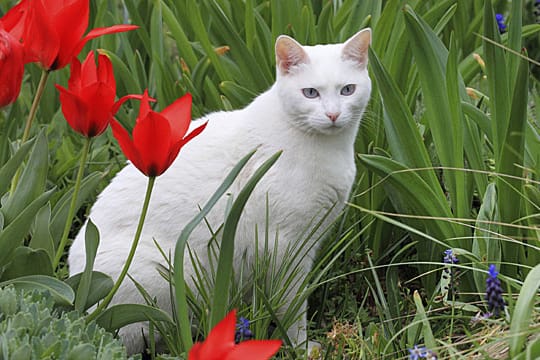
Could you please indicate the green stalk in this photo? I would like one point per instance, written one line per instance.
(30, 119)
(33, 109)
(131, 254)
(71, 213)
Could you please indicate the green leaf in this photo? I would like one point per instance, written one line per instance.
(440, 86)
(10, 167)
(27, 261)
(226, 253)
(13, 234)
(498, 85)
(237, 94)
(179, 35)
(404, 139)
(182, 309)
(411, 195)
(32, 181)
(118, 316)
(62, 293)
(91, 246)
(486, 244)
(521, 316)
(195, 18)
(100, 285)
(511, 162)
(41, 235)
(429, 339)
(61, 209)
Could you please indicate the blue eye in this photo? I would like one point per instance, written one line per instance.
(310, 93)
(348, 89)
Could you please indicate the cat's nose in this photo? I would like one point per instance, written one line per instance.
(333, 115)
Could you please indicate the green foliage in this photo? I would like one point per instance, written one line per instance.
(31, 328)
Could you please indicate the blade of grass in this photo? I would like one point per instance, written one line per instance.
(226, 254)
(181, 306)
(521, 316)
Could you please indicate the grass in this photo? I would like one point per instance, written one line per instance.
(437, 168)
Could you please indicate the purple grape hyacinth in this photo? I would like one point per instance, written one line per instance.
(494, 291)
(242, 330)
(500, 23)
(421, 352)
(451, 273)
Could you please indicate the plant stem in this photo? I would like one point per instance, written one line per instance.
(131, 254)
(33, 109)
(30, 119)
(71, 212)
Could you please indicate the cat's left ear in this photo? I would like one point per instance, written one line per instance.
(356, 48)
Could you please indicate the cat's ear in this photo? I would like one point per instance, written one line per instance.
(289, 53)
(356, 48)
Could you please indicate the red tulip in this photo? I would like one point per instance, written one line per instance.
(52, 30)
(11, 67)
(88, 103)
(13, 21)
(157, 137)
(219, 345)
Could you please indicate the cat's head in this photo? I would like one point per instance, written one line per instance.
(324, 88)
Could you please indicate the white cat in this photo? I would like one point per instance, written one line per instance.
(312, 113)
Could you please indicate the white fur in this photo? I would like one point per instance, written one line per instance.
(315, 172)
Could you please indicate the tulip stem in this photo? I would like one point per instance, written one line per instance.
(29, 120)
(33, 109)
(131, 254)
(73, 205)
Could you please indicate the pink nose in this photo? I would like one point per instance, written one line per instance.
(333, 116)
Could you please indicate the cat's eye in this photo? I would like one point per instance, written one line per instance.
(348, 89)
(310, 93)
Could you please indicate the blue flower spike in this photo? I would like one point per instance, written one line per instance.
(242, 330)
(500, 23)
(421, 352)
(417, 352)
(450, 274)
(494, 291)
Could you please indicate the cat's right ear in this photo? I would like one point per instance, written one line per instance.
(289, 53)
(356, 48)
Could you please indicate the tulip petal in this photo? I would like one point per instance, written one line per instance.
(40, 39)
(89, 70)
(220, 340)
(106, 73)
(179, 115)
(13, 21)
(73, 108)
(195, 352)
(144, 108)
(11, 67)
(178, 145)
(74, 81)
(193, 134)
(97, 32)
(70, 22)
(254, 350)
(99, 100)
(122, 100)
(126, 143)
(152, 138)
